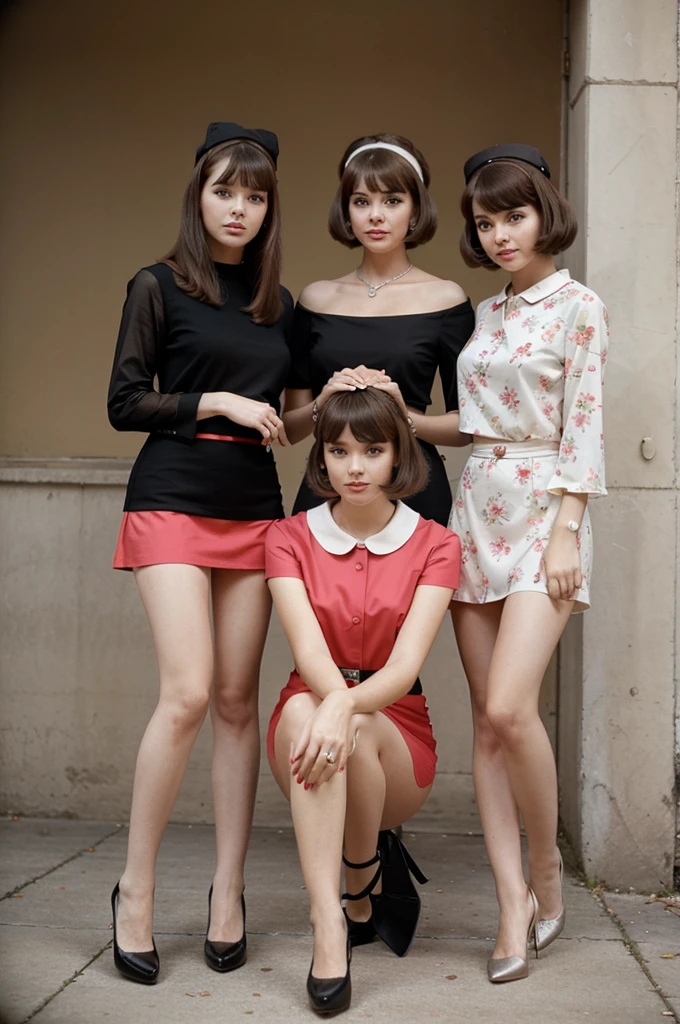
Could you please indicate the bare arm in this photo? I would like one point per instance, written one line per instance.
(412, 647)
(310, 651)
(331, 725)
(442, 429)
(299, 404)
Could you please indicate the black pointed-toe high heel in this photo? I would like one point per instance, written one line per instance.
(140, 967)
(396, 909)
(328, 996)
(225, 956)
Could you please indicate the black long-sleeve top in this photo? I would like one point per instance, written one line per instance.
(410, 348)
(189, 348)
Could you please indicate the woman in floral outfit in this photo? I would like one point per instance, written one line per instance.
(530, 390)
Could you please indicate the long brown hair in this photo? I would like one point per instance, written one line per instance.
(190, 259)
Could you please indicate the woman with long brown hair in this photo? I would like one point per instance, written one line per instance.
(209, 323)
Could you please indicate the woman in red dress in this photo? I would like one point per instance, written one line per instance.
(361, 585)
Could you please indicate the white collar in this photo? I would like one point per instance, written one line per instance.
(326, 531)
(538, 292)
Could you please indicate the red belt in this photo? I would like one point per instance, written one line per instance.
(227, 437)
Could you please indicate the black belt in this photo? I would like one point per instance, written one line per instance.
(360, 675)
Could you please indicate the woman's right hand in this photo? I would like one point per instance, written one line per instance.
(349, 380)
(330, 729)
(250, 413)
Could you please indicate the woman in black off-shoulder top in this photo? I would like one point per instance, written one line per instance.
(388, 324)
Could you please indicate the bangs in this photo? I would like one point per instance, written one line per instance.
(374, 418)
(249, 165)
(370, 421)
(505, 185)
(501, 186)
(381, 171)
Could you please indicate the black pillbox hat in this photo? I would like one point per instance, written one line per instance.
(223, 131)
(510, 151)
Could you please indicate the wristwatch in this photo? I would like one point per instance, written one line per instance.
(572, 526)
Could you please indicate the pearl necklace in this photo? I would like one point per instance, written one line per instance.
(374, 288)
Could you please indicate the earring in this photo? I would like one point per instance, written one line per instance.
(411, 226)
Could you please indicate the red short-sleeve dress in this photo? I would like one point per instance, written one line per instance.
(361, 593)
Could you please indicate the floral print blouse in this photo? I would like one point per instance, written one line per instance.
(533, 369)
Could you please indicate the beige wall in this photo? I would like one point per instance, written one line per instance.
(100, 109)
(103, 105)
(619, 665)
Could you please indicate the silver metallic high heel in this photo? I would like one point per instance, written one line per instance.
(513, 968)
(548, 929)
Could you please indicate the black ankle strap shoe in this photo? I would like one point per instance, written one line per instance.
(396, 909)
(360, 933)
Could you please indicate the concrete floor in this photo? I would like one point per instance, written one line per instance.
(56, 963)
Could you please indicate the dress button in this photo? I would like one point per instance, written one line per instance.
(356, 620)
(360, 544)
(358, 567)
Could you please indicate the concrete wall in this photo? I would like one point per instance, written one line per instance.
(100, 109)
(619, 665)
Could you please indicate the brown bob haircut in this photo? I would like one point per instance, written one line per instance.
(373, 416)
(381, 170)
(505, 185)
(251, 166)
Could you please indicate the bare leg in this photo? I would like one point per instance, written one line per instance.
(176, 599)
(530, 628)
(318, 818)
(476, 628)
(382, 792)
(241, 610)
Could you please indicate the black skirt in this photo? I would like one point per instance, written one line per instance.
(221, 479)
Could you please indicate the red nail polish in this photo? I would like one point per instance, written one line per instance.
(341, 768)
(308, 785)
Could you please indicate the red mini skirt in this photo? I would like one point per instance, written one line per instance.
(156, 538)
(409, 714)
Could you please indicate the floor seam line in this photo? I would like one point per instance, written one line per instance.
(65, 984)
(31, 881)
(634, 950)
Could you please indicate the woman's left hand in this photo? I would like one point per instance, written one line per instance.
(326, 732)
(562, 564)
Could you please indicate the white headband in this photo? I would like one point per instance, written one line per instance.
(395, 149)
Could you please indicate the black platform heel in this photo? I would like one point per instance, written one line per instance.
(225, 956)
(396, 909)
(140, 967)
(360, 933)
(328, 996)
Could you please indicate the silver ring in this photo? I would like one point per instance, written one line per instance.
(330, 757)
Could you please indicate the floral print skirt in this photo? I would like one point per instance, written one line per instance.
(503, 514)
